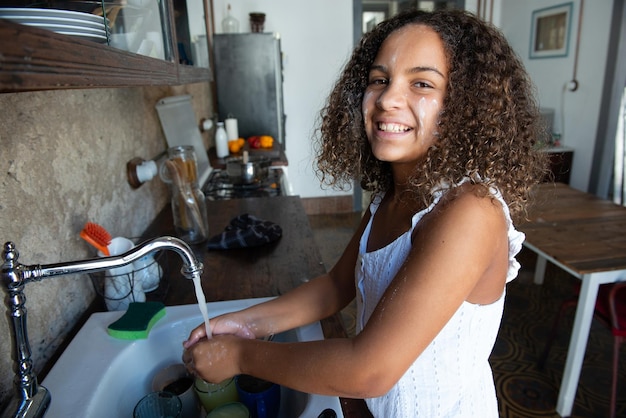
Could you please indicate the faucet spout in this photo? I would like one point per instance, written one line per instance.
(32, 399)
(191, 265)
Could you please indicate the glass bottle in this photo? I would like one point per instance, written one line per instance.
(229, 23)
(221, 141)
(188, 201)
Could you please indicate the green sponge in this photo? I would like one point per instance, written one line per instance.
(138, 320)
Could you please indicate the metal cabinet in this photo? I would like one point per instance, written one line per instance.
(249, 82)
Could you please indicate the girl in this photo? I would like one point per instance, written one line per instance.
(434, 113)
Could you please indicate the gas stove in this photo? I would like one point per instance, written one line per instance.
(219, 186)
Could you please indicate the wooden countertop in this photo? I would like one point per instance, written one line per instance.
(269, 270)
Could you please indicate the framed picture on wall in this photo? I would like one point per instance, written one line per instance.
(550, 31)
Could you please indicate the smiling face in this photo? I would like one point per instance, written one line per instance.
(406, 87)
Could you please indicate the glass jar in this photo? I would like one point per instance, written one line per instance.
(188, 201)
(212, 395)
(257, 22)
(158, 404)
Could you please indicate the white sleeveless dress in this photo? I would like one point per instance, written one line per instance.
(452, 377)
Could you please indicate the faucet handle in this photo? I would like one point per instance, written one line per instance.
(10, 253)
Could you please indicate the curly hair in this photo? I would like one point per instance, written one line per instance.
(489, 129)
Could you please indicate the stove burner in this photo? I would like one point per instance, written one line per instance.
(220, 187)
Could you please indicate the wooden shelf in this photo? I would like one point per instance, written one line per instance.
(36, 59)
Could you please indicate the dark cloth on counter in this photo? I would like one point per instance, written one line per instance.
(246, 231)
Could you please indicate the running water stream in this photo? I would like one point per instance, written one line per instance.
(202, 303)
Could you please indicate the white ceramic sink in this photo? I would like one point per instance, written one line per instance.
(101, 376)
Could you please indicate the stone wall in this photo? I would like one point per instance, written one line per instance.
(63, 158)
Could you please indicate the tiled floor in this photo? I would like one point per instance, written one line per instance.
(524, 390)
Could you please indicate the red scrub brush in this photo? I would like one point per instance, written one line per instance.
(97, 236)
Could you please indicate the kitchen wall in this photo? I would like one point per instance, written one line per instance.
(577, 112)
(63, 161)
(316, 39)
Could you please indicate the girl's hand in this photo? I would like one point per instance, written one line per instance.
(225, 324)
(215, 359)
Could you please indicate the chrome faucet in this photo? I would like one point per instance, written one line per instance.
(32, 399)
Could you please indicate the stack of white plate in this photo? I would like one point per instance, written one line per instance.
(66, 22)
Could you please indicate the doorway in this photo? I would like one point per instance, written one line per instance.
(373, 12)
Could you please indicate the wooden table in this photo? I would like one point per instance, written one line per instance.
(586, 236)
(268, 270)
